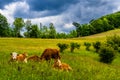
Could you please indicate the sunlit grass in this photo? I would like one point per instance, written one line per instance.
(85, 64)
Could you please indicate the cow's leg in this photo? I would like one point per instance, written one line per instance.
(25, 60)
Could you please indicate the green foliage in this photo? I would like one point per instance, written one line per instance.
(113, 41)
(5, 31)
(97, 45)
(87, 44)
(119, 49)
(78, 28)
(52, 31)
(44, 32)
(73, 46)
(28, 28)
(107, 54)
(34, 32)
(62, 36)
(62, 46)
(101, 25)
(72, 34)
(114, 19)
(105, 23)
(18, 23)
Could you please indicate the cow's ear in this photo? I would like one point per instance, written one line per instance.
(10, 53)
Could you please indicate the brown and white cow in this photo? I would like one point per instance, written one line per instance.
(18, 57)
(49, 54)
(61, 66)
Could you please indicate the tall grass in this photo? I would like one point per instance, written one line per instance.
(85, 64)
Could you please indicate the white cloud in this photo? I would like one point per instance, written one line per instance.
(10, 9)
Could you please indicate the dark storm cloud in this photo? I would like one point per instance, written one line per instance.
(40, 5)
(56, 7)
(86, 10)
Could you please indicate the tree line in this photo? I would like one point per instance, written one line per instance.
(30, 30)
(105, 23)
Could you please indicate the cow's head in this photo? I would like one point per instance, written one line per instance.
(57, 62)
(14, 55)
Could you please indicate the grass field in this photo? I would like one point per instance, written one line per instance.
(85, 64)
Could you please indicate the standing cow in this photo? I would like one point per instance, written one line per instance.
(49, 54)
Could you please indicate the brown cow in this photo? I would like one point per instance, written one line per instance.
(50, 53)
(34, 58)
(61, 66)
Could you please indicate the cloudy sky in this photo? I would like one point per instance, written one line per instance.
(60, 12)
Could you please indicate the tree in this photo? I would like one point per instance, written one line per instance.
(85, 31)
(18, 23)
(61, 35)
(72, 34)
(73, 46)
(28, 28)
(52, 31)
(4, 27)
(98, 25)
(87, 44)
(92, 30)
(44, 32)
(34, 31)
(97, 45)
(62, 46)
(78, 28)
(106, 25)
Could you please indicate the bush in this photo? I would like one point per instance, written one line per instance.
(97, 45)
(87, 44)
(62, 46)
(113, 41)
(73, 46)
(107, 54)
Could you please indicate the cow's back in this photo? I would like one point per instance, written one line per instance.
(33, 58)
(50, 53)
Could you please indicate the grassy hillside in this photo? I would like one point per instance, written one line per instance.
(104, 34)
(85, 64)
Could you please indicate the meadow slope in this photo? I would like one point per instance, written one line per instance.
(85, 64)
(104, 34)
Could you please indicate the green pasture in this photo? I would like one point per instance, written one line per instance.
(85, 64)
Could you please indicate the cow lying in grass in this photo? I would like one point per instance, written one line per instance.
(18, 57)
(34, 58)
(61, 66)
(49, 54)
